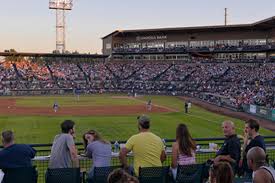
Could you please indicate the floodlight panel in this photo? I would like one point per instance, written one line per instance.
(61, 4)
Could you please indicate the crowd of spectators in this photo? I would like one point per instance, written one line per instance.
(249, 83)
(225, 47)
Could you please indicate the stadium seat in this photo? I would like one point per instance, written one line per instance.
(101, 174)
(189, 173)
(62, 175)
(25, 174)
(243, 180)
(153, 174)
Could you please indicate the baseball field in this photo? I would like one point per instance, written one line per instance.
(34, 121)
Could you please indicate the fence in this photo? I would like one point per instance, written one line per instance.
(220, 100)
(58, 91)
(259, 111)
(226, 102)
(43, 150)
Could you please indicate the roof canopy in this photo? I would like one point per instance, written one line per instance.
(263, 24)
(17, 54)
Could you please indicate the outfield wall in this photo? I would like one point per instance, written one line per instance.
(259, 111)
(228, 103)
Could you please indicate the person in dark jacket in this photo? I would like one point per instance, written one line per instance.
(15, 155)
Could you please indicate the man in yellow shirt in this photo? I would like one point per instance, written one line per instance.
(148, 149)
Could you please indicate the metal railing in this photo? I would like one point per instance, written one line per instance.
(85, 163)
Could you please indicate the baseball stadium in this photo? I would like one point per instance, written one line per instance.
(202, 76)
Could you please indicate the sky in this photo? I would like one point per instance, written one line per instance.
(29, 25)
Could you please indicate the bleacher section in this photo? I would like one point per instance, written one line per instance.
(251, 83)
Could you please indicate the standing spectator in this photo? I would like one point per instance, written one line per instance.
(256, 160)
(252, 138)
(183, 150)
(231, 148)
(15, 155)
(64, 152)
(98, 149)
(148, 148)
(221, 172)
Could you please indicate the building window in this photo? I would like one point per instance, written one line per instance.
(108, 46)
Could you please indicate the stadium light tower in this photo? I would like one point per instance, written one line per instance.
(60, 6)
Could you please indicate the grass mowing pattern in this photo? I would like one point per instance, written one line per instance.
(42, 129)
(70, 101)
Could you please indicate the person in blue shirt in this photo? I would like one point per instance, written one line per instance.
(15, 155)
(77, 92)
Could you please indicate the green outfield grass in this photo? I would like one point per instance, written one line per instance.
(42, 129)
(70, 101)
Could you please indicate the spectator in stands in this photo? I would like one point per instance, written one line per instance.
(252, 138)
(256, 160)
(121, 176)
(64, 152)
(98, 149)
(221, 172)
(15, 155)
(148, 148)
(231, 148)
(183, 150)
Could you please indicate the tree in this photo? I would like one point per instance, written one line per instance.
(13, 58)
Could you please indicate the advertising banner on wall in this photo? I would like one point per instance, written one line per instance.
(252, 109)
(263, 111)
(273, 115)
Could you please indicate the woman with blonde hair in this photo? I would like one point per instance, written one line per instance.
(98, 149)
(183, 150)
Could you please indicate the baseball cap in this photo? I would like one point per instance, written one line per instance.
(143, 119)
